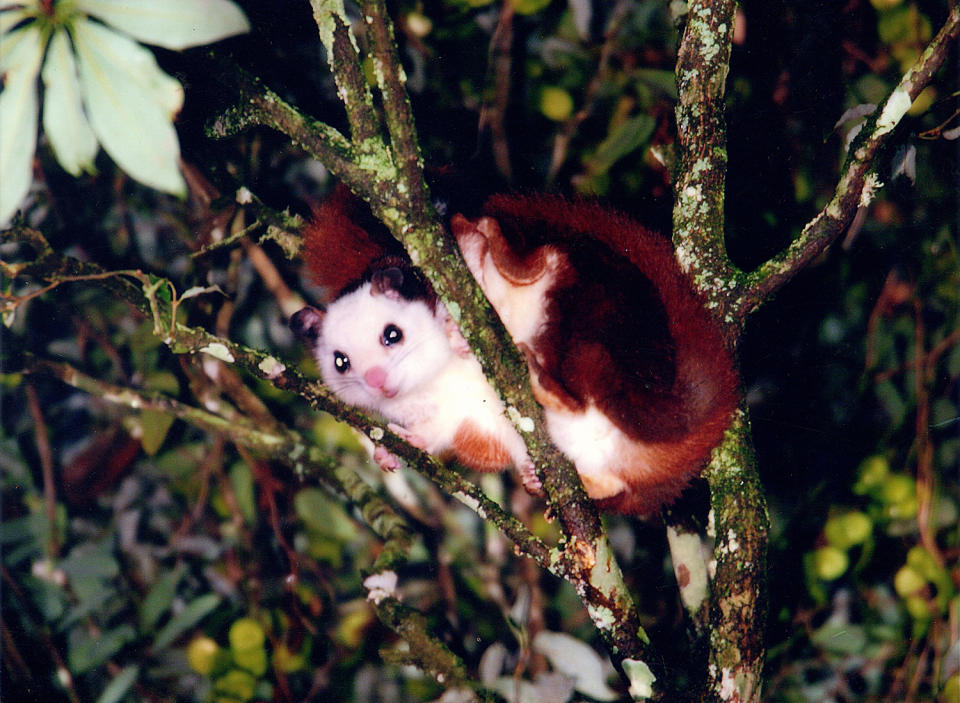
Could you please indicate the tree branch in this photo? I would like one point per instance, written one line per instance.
(698, 217)
(737, 605)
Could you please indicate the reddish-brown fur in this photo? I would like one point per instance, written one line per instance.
(342, 240)
(625, 331)
(478, 450)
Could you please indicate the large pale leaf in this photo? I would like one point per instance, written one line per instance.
(64, 121)
(131, 104)
(570, 656)
(173, 24)
(20, 54)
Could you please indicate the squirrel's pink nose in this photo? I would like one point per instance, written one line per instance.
(375, 377)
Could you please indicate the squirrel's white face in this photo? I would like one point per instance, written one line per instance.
(374, 349)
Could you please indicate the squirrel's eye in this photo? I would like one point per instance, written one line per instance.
(391, 335)
(341, 362)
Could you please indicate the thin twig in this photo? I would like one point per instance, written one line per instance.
(45, 453)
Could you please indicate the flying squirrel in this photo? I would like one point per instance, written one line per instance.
(635, 381)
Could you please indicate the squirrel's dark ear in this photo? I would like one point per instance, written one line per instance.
(388, 282)
(307, 324)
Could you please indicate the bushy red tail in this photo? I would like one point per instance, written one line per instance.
(342, 240)
(706, 379)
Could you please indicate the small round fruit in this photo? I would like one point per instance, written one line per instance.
(202, 654)
(246, 633)
(555, 103)
(830, 563)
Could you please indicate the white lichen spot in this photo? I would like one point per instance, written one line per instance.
(871, 186)
(894, 110)
(693, 192)
(641, 678)
(381, 586)
(733, 544)
(524, 424)
(219, 351)
(271, 367)
(700, 165)
(244, 196)
(376, 434)
(603, 617)
(684, 256)
(471, 503)
(728, 685)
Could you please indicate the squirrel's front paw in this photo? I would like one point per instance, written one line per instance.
(385, 460)
(529, 479)
(407, 436)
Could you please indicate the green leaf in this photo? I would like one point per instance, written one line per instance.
(64, 121)
(623, 139)
(131, 104)
(841, 638)
(85, 652)
(29, 527)
(528, 7)
(91, 561)
(159, 599)
(118, 687)
(173, 24)
(162, 382)
(892, 401)
(185, 619)
(20, 54)
(93, 600)
(155, 425)
(664, 81)
(241, 479)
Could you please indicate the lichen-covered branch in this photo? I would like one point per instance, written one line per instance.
(737, 606)
(698, 217)
(397, 113)
(258, 105)
(853, 190)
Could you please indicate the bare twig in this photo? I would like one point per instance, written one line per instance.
(46, 466)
